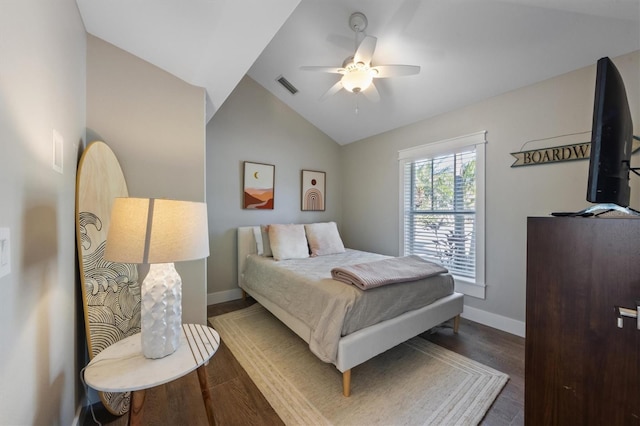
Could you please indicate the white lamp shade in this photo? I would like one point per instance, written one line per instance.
(152, 230)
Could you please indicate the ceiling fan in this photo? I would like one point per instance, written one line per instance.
(357, 71)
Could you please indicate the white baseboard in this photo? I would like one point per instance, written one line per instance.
(500, 322)
(495, 321)
(224, 296)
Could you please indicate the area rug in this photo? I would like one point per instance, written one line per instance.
(416, 382)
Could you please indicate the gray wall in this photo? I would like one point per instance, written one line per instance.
(42, 87)
(155, 125)
(253, 125)
(549, 109)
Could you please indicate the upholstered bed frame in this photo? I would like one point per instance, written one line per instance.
(362, 345)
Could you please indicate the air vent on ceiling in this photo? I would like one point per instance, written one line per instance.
(287, 85)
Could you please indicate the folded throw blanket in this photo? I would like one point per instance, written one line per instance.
(387, 271)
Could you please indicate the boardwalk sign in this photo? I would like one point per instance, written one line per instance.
(556, 154)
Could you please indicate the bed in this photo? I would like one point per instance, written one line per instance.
(290, 292)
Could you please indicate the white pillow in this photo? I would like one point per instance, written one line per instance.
(288, 242)
(257, 236)
(324, 238)
(261, 235)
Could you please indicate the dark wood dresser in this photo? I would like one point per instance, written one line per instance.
(581, 368)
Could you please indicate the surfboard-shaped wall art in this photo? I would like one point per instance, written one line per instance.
(110, 291)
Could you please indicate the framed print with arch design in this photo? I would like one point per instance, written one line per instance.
(313, 190)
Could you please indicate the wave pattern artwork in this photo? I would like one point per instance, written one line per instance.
(111, 294)
(112, 289)
(113, 297)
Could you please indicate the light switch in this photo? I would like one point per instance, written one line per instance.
(5, 252)
(58, 152)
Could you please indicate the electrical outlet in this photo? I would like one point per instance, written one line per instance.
(5, 252)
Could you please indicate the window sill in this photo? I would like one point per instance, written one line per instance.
(468, 287)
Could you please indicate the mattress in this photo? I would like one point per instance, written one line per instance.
(332, 309)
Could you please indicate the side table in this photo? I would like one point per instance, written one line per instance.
(121, 367)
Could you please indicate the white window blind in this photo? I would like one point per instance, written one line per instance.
(442, 207)
(440, 216)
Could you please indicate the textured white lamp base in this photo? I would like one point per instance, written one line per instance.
(161, 311)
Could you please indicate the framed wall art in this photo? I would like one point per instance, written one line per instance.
(313, 190)
(258, 186)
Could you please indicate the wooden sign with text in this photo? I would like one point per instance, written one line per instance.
(556, 154)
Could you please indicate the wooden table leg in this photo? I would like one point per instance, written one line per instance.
(136, 409)
(206, 394)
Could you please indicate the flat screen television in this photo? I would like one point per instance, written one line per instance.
(611, 139)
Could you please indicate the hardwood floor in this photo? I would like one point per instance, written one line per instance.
(237, 401)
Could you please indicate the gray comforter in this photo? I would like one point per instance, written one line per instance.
(332, 309)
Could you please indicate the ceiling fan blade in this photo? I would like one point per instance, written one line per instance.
(365, 50)
(332, 91)
(371, 93)
(385, 71)
(332, 70)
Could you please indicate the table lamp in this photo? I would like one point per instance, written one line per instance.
(158, 232)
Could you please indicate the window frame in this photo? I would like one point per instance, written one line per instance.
(471, 287)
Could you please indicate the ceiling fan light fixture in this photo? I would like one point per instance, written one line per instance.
(357, 80)
(358, 77)
(357, 71)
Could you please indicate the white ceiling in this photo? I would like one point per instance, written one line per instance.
(468, 50)
(207, 43)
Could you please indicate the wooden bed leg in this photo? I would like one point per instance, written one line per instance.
(456, 323)
(346, 383)
(244, 295)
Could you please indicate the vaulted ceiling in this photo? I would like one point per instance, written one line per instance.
(207, 43)
(468, 50)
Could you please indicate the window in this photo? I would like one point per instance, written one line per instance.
(443, 207)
